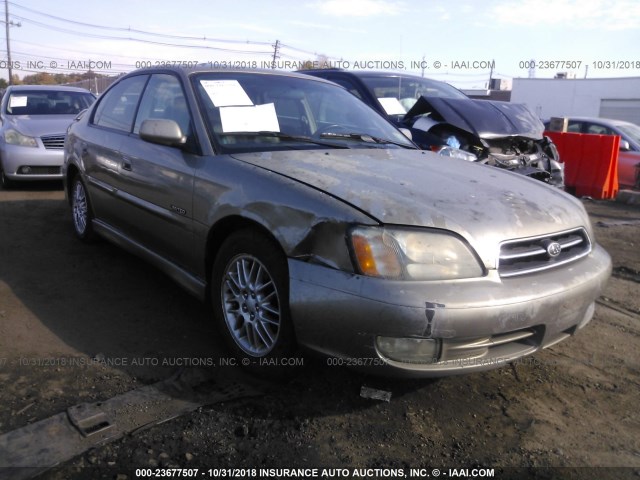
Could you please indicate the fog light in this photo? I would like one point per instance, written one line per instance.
(25, 170)
(409, 350)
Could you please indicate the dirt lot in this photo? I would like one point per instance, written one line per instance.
(574, 405)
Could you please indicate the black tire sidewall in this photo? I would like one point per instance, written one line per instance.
(5, 183)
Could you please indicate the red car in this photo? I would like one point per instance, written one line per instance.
(629, 156)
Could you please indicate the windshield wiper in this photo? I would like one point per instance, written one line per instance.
(364, 137)
(286, 136)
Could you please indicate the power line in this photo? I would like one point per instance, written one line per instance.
(140, 40)
(134, 30)
(83, 52)
(308, 52)
(278, 47)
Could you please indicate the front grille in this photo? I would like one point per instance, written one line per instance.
(53, 142)
(528, 255)
(38, 170)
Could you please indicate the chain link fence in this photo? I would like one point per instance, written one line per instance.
(95, 85)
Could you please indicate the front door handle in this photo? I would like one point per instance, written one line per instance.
(126, 164)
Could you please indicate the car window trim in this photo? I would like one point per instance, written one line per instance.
(193, 144)
(91, 121)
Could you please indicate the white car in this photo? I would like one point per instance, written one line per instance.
(34, 125)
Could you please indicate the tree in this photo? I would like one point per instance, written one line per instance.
(321, 61)
(44, 78)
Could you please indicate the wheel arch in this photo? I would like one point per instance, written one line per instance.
(226, 227)
(72, 171)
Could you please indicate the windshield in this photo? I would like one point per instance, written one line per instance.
(398, 93)
(248, 112)
(47, 102)
(630, 130)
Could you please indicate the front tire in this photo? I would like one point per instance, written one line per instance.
(5, 183)
(250, 299)
(81, 211)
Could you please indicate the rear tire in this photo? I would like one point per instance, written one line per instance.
(81, 211)
(250, 300)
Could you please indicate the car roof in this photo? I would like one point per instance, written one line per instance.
(48, 88)
(604, 121)
(366, 73)
(188, 71)
(207, 69)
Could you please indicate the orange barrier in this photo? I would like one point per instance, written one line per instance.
(590, 163)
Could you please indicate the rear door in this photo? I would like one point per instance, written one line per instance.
(111, 124)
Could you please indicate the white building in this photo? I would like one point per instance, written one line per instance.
(617, 98)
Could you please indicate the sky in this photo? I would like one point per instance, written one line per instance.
(457, 41)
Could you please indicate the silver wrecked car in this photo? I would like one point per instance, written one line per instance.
(34, 121)
(308, 220)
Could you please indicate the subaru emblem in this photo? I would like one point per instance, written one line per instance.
(554, 249)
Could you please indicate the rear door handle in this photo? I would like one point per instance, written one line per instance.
(126, 164)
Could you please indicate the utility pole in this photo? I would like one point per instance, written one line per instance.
(493, 62)
(276, 47)
(532, 68)
(7, 25)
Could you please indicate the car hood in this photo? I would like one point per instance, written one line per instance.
(483, 118)
(39, 125)
(418, 188)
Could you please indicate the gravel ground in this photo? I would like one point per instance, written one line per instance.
(559, 414)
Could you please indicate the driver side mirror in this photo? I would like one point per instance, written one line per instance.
(162, 131)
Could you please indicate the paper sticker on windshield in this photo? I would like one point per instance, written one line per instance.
(392, 106)
(16, 101)
(258, 118)
(226, 93)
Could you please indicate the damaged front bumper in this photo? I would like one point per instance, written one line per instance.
(469, 325)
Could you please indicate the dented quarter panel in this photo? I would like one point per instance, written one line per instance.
(306, 222)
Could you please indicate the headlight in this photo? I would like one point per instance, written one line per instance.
(455, 153)
(14, 137)
(412, 254)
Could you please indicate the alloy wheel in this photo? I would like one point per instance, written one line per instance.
(251, 305)
(80, 208)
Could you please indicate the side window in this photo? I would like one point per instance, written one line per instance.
(164, 99)
(118, 107)
(348, 85)
(575, 127)
(598, 129)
